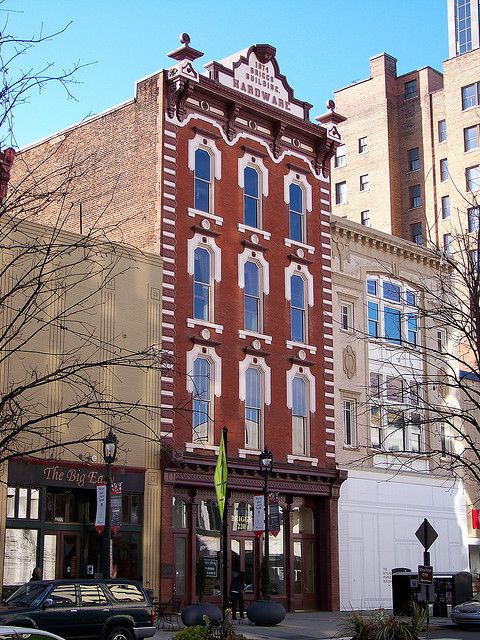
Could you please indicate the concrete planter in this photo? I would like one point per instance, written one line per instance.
(266, 613)
(193, 614)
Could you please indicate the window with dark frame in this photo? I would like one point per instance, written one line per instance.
(470, 138)
(415, 195)
(340, 156)
(470, 95)
(341, 193)
(413, 159)
(473, 219)
(363, 145)
(472, 175)
(364, 182)
(443, 169)
(445, 207)
(365, 218)
(410, 89)
(416, 231)
(349, 422)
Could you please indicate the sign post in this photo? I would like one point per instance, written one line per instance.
(426, 535)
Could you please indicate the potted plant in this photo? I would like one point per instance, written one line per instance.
(266, 612)
(195, 614)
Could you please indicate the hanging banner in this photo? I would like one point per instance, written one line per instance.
(101, 507)
(221, 477)
(273, 514)
(116, 506)
(258, 514)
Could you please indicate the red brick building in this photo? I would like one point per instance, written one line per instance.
(225, 175)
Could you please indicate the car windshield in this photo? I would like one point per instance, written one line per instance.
(26, 595)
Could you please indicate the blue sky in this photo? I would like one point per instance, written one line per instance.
(321, 45)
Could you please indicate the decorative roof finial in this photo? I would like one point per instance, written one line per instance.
(330, 105)
(185, 51)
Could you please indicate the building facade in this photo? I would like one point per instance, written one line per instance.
(233, 191)
(384, 391)
(90, 303)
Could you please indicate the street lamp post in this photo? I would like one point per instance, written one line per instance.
(110, 443)
(266, 464)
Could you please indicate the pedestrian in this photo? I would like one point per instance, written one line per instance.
(36, 574)
(237, 588)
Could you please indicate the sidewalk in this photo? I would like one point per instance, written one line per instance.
(303, 625)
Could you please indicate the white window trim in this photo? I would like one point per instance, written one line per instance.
(243, 453)
(291, 459)
(197, 352)
(245, 228)
(300, 179)
(259, 258)
(244, 333)
(204, 214)
(195, 322)
(205, 242)
(310, 379)
(294, 268)
(249, 160)
(202, 142)
(245, 364)
(301, 245)
(350, 315)
(292, 344)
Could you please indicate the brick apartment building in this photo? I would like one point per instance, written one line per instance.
(224, 175)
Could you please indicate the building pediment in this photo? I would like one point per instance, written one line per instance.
(255, 72)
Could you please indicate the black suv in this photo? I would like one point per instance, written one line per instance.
(109, 609)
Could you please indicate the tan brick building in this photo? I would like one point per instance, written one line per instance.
(95, 302)
(411, 156)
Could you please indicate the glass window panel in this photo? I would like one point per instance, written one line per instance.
(302, 520)
(394, 389)
(201, 289)
(179, 518)
(242, 518)
(298, 308)
(411, 298)
(202, 164)
(252, 296)
(473, 214)
(277, 560)
(391, 292)
(296, 198)
(208, 543)
(473, 178)
(375, 381)
(202, 195)
(253, 408)
(471, 138)
(11, 492)
(297, 568)
(395, 436)
(309, 565)
(296, 226)
(442, 131)
(201, 402)
(22, 502)
(20, 555)
(373, 320)
(252, 286)
(49, 556)
(376, 426)
(250, 211)
(92, 595)
(413, 159)
(180, 565)
(392, 327)
(64, 595)
(126, 592)
(34, 503)
(372, 287)
(299, 397)
(412, 326)
(250, 177)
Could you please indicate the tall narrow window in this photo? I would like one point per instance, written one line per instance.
(447, 243)
(417, 232)
(201, 284)
(392, 320)
(363, 145)
(299, 416)
(202, 399)
(252, 301)
(410, 89)
(203, 177)
(412, 328)
(349, 423)
(297, 309)
(373, 323)
(341, 193)
(470, 138)
(463, 26)
(296, 213)
(253, 408)
(340, 157)
(415, 196)
(473, 178)
(443, 169)
(442, 131)
(473, 214)
(413, 159)
(365, 218)
(251, 208)
(445, 207)
(364, 182)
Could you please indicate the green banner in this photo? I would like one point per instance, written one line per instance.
(220, 477)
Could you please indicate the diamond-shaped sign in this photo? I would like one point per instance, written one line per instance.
(426, 534)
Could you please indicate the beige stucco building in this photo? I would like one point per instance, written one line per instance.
(384, 437)
(78, 356)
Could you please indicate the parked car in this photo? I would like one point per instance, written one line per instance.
(108, 609)
(467, 613)
(23, 633)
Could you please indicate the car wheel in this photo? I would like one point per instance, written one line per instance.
(119, 633)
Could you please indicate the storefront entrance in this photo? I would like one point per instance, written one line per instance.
(61, 555)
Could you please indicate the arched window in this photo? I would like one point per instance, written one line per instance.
(202, 400)
(202, 284)
(298, 314)
(253, 408)
(297, 231)
(203, 180)
(252, 298)
(299, 417)
(251, 202)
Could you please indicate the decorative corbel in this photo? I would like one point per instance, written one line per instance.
(232, 112)
(182, 97)
(278, 129)
(324, 153)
